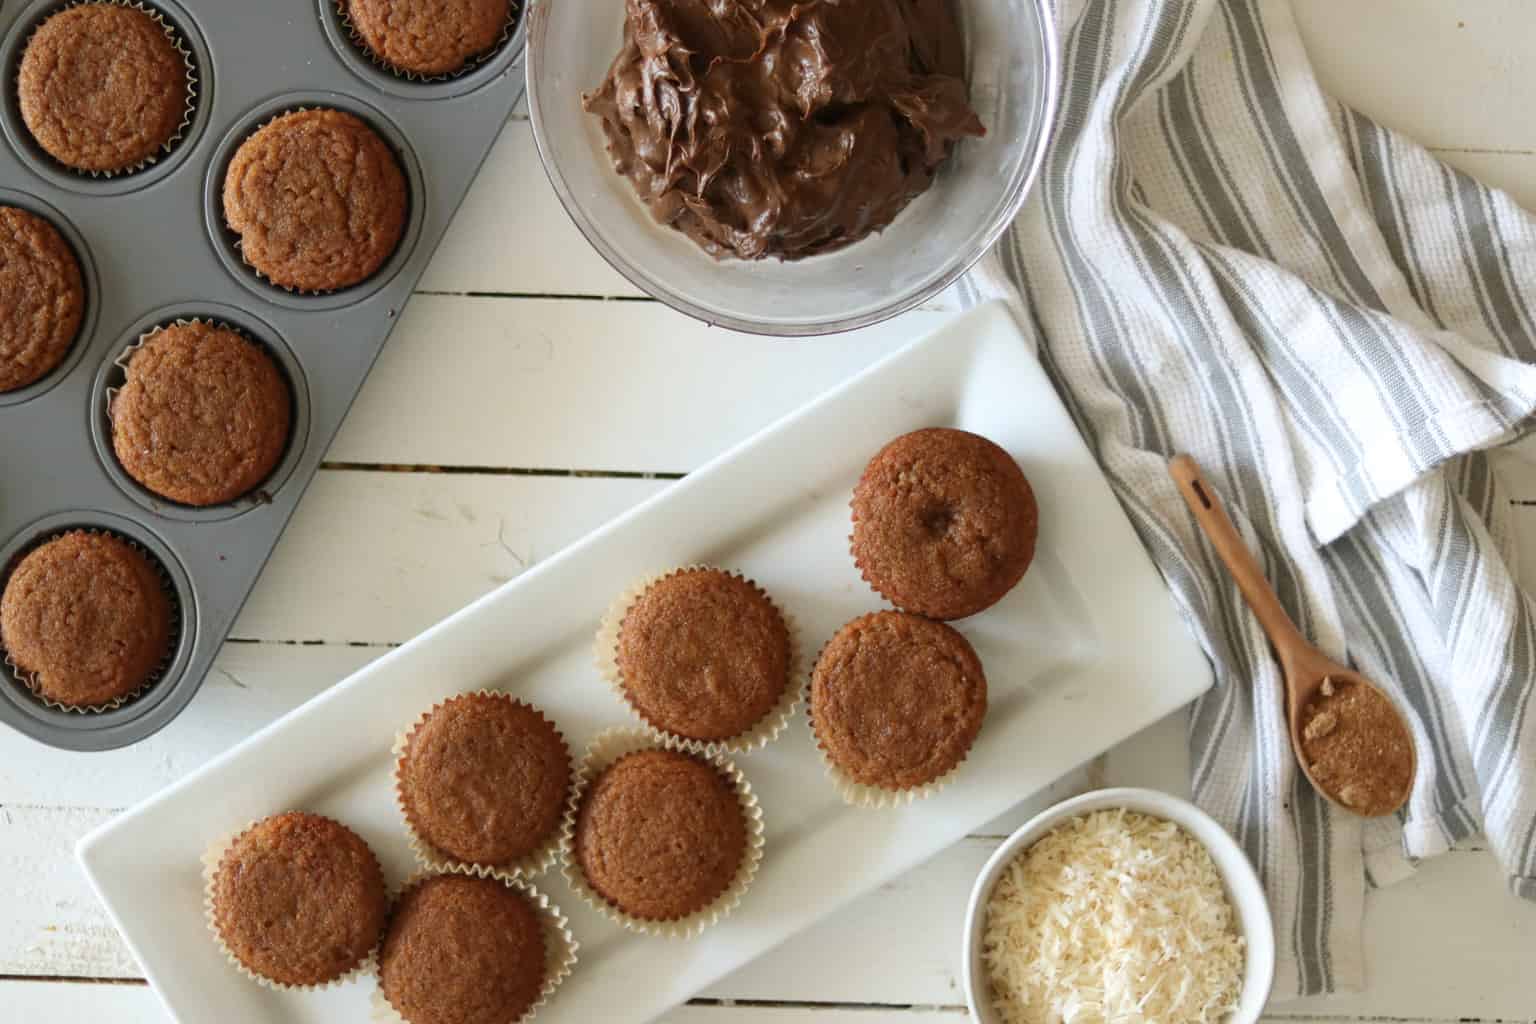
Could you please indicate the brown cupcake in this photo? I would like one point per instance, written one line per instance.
(703, 655)
(204, 416)
(660, 835)
(42, 298)
(299, 900)
(944, 523)
(103, 87)
(483, 779)
(897, 700)
(86, 617)
(428, 37)
(318, 200)
(463, 950)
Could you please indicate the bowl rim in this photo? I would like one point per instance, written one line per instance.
(1242, 882)
(535, 18)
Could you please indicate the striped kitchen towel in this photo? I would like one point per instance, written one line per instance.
(1220, 259)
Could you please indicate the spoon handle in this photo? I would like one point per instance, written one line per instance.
(1289, 644)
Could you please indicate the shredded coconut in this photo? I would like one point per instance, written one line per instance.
(1113, 917)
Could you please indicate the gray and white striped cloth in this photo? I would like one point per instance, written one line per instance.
(1220, 259)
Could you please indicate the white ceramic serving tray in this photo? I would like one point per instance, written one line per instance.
(1083, 653)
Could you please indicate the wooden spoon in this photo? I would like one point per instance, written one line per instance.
(1310, 675)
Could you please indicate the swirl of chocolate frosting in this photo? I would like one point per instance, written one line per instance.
(783, 127)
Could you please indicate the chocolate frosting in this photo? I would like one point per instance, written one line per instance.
(783, 127)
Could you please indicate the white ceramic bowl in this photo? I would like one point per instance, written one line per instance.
(1012, 73)
(1243, 889)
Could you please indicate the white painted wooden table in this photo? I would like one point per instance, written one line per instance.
(553, 399)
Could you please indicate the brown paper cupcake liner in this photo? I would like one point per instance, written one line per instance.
(193, 84)
(560, 950)
(862, 794)
(606, 748)
(211, 859)
(479, 60)
(435, 861)
(29, 679)
(763, 732)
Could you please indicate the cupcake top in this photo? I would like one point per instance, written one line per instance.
(87, 617)
(102, 87)
(483, 779)
(299, 899)
(703, 654)
(944, 523)
(318, 200)
(429, 37)
(41, 298)
(897, 700)
(204, 415)
(660, 835)
(463, 950)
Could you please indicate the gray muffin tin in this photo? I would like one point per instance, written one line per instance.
(153, 248)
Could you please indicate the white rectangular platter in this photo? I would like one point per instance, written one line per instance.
(1083, 653)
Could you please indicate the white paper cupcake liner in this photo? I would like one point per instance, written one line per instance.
(192, 88)
(479, 60)
(763, 732)
(29, 680)
(603, 751)
(211, 859)
(560, 950)
(861, 794)
(435, 861)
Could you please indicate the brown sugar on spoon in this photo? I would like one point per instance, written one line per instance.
(1357, 747)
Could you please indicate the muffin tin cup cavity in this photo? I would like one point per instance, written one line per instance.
(560, 949)
(211, 858)
(181, 28)
(379, 73)
(767, 729)
(25, 689)
(91, 285)
(859, 794)
(226, 243)
(146, 245)
(112, 374)
(435, 861)
(608, 747)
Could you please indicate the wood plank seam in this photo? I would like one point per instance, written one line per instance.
(58, 979)
(576, 474)
(810, 1004)
(557, 296)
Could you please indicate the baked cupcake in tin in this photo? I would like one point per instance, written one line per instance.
(703, 656)
(944, 523)
(204, 415)
(86, 620)
(468, 950)
(482, 781)
(896, 702)
(104, 87)
(296, 901)
(428, 37)
(318, 199)
(42, 298)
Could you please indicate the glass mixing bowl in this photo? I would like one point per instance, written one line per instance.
(1013, 77)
